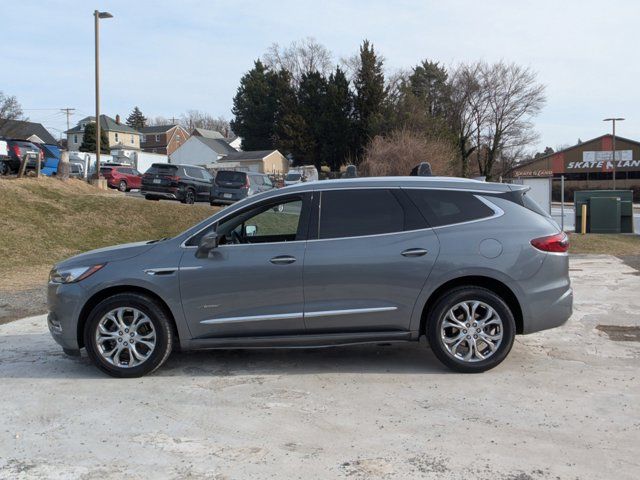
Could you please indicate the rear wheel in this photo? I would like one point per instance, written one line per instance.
(471, 329)
(189, 197)
(122, 186)
(4, 168)
(128, 335)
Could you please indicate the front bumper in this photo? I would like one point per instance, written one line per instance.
(65, 303)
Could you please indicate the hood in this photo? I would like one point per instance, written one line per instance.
(108, 254)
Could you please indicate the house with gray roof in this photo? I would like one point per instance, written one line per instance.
(23, 130)
(164, 139)
(121, 136)
(199, 150)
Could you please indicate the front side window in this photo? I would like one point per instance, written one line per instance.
(270, 221)
(359, 212)
(447, 207)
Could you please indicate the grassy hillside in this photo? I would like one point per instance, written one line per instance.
(45, 220)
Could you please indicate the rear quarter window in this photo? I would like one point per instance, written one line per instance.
(447, 207)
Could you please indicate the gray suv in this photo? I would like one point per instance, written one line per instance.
(467, 264)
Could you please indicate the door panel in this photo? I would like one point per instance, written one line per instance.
(365, 283)
(239, 291)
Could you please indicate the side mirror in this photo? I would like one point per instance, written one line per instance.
(207, 243)
(250, 230)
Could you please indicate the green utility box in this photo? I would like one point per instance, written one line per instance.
(608, 211)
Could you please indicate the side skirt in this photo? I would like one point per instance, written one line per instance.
(302, 341)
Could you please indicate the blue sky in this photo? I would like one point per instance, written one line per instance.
(171, 56)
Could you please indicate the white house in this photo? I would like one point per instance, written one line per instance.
(201, 151)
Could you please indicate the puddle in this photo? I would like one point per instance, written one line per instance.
(621, 334)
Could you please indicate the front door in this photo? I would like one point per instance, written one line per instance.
(373, 255)
(251, 284)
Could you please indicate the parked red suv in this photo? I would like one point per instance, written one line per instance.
(121, 177)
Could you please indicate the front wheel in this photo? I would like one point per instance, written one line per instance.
(122, 186)
(128, 335)
(471, 329)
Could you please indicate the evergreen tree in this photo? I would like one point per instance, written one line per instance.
(311, 104)
(136, 120)
(89, 140)
(369, 97)
(337, 122)
(254, 110)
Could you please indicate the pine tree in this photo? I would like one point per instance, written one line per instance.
(337, 121)
(136, 120)
(369, 98)
(311, 104)
(89, 140)
(254, 110)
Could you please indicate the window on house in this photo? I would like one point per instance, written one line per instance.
(132, 142)
(75, 139)
(116, 136)
(157, 138)
(178, 137)
(143, 139)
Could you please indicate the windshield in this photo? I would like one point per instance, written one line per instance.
(293, 177)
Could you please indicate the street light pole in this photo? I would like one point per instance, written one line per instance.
(613, 145)
(97, 16)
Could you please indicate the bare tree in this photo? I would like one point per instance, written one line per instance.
(159, 120)
(10, 109)
(196, 119)
(514, 97)
(402, 150)
(300, 57)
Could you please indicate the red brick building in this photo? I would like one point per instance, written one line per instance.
(164, 139)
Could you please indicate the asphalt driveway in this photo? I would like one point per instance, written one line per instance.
(565, 404)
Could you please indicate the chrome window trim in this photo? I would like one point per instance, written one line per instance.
(498, 212)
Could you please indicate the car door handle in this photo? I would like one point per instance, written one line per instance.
(283, 260)
(414, 252)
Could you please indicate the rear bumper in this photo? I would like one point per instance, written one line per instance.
(548, 297)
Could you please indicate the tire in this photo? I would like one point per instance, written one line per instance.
(189, 197)
(452, 337)
(4, 169)
(122, 186)
(151, 197)
(114, 315)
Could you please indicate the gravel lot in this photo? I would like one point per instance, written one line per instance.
(565, 404)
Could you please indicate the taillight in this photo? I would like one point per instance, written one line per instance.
(558, 243)
(16, 151)
(247, 185)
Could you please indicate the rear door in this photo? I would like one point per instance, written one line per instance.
(372, 257)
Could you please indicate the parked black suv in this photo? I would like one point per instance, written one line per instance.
(186, 183)
(15, 151)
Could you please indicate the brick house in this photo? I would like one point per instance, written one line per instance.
(164, 139)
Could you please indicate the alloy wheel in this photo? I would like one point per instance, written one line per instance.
(471, 331)
(122, 186)
(125, 337)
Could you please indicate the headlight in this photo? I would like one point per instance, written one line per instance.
(74, 274)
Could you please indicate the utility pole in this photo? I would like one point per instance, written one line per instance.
(613, 145)
(97, 16)
(68, 111)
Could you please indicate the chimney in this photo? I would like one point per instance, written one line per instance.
(118, 119)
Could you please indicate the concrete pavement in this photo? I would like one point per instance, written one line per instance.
(565, 404)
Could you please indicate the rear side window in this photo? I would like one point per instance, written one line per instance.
(446, 207)
(532, 205)
(352, 213)
(194, 172)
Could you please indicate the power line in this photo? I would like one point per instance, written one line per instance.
(68, 111)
